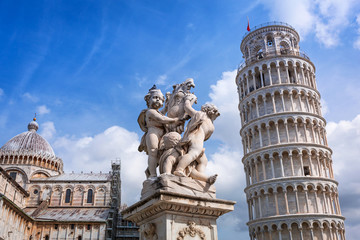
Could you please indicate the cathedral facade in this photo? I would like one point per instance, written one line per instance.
(39, 201)
(290, 186)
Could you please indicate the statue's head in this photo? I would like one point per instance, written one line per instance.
(185, 86)
(211, 110)
(154, 98)
(188, 84)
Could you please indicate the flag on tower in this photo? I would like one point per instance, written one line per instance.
(248, 27)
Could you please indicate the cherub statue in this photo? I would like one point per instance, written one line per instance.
(153, 122)
(170, 154)
(198, 130)
(176, 101)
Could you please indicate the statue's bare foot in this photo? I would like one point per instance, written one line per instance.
(179, 173)
(212, 179)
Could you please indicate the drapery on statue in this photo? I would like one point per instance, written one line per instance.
(181, 156)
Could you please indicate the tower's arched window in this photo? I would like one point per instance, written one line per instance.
(47, 237)
(67, 196)
(284, 47)
(90, 196)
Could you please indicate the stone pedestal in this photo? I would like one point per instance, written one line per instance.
(170, 215)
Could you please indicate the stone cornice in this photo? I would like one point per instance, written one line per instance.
(269, 58)
(284, 147)
(273, 116)
(295, 218)
(277, 87)
(165, 201)
(286, 180)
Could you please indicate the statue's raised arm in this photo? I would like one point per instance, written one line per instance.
(176, 104)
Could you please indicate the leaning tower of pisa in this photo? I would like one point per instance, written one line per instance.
(290, 187)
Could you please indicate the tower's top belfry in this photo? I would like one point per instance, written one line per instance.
(268, 40)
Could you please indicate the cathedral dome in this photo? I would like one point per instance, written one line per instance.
(29, 142)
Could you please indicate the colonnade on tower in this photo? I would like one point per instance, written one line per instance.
(290, 187)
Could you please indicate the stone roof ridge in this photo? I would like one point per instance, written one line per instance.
(76, 177)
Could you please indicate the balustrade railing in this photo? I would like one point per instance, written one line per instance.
(267, 24)
(262, 55)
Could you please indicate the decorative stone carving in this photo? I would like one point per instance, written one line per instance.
(191, 230)
(180, 185)
(149, 231)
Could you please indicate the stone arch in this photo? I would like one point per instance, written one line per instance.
(284, 47)
(21, 176)
(56, 195)
(40, 174)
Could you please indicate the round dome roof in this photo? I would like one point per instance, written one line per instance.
(29, 142)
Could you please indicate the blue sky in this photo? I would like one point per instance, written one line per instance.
(85, 66)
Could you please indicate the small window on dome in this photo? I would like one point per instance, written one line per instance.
(36, 191)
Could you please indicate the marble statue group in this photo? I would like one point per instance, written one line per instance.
(169, 145)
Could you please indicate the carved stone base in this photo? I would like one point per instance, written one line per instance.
(182, 185)
(168, 215)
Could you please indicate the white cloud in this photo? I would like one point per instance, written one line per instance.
(326, 18)
(324, 107)
(140, 80)
(91, 153)
(224, 95)
(344, 139)
(161, 80)
(226, 162)
(1, 92)
(47, 130)
(41, 110)
(357, 41)
(28, 96)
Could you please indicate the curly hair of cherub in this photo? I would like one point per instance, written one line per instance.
(210, 108)
(150, 93)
